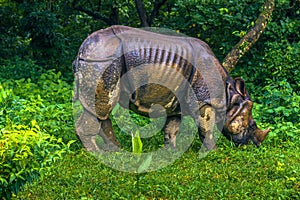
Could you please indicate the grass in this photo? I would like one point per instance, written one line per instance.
(247, 172)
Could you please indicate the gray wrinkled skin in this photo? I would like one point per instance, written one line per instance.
(165, 63)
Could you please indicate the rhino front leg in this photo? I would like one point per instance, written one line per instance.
(106, 97)
(171, 129)
(108, 136)
(87, 128)
(206, 126)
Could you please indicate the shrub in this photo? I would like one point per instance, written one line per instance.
(48, 101)
(27, 150)
(26, 153)
(18, 68)
(280, 109)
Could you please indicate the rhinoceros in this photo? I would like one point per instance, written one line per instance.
(180, 74)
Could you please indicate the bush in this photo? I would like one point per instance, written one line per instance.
(48, 101)
(27, 150)
(18, 68)
(26, 153)
(279, 108)
(275, 57)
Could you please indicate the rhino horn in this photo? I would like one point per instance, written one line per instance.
(259, 136)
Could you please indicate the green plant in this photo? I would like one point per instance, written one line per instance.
(279, 109)
(19, 68)
(48, 101)
(276, 55)
(281, 102)
(137, 149)
(26, 153)
(27, 150)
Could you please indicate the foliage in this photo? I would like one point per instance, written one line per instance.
(280, 110)
(19, 68)
(281, 102)
(43, 33)
(219, 23)
(26, 153)
(278, 61)
(48, 101)
(36, 127)
(51, 33)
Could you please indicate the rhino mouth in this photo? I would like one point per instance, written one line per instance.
(256, 137)
(240, 139)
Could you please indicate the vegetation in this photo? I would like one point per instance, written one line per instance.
(36, 128)
(38, 145)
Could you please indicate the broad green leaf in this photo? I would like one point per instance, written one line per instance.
(145, 164)
(137, 145)
(12, 178)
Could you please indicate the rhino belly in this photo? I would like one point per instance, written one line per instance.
(149, 95)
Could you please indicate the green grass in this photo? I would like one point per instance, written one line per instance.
(269, 172)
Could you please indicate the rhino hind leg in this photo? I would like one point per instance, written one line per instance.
(206, 126)
(171, 129)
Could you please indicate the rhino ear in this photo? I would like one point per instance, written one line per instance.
(240, 86)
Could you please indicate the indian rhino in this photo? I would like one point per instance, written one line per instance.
(181, 74)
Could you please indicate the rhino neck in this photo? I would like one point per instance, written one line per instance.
(229, 92)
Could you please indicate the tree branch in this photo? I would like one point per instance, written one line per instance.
(95, 15)
(250, 38)
(140, 7)
(158, 4)
(114, 15)
(99, 5)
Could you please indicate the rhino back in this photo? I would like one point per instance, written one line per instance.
(170, 60)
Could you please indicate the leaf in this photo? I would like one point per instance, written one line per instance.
(116, 108)
(12, 178)
(137, 145)
(145, 164)
(223, 11)
(70, 142)
(3, 181)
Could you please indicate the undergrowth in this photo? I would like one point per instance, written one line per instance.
(37, 129)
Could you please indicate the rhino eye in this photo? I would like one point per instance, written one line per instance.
(252, 125)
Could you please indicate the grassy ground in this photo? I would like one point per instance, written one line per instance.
(270, 172)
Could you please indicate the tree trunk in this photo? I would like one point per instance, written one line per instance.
(140, 7)
(158, 4)
(141, 10)
(250, 38)
(95, 13)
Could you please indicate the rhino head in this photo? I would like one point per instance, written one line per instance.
(239, 124)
